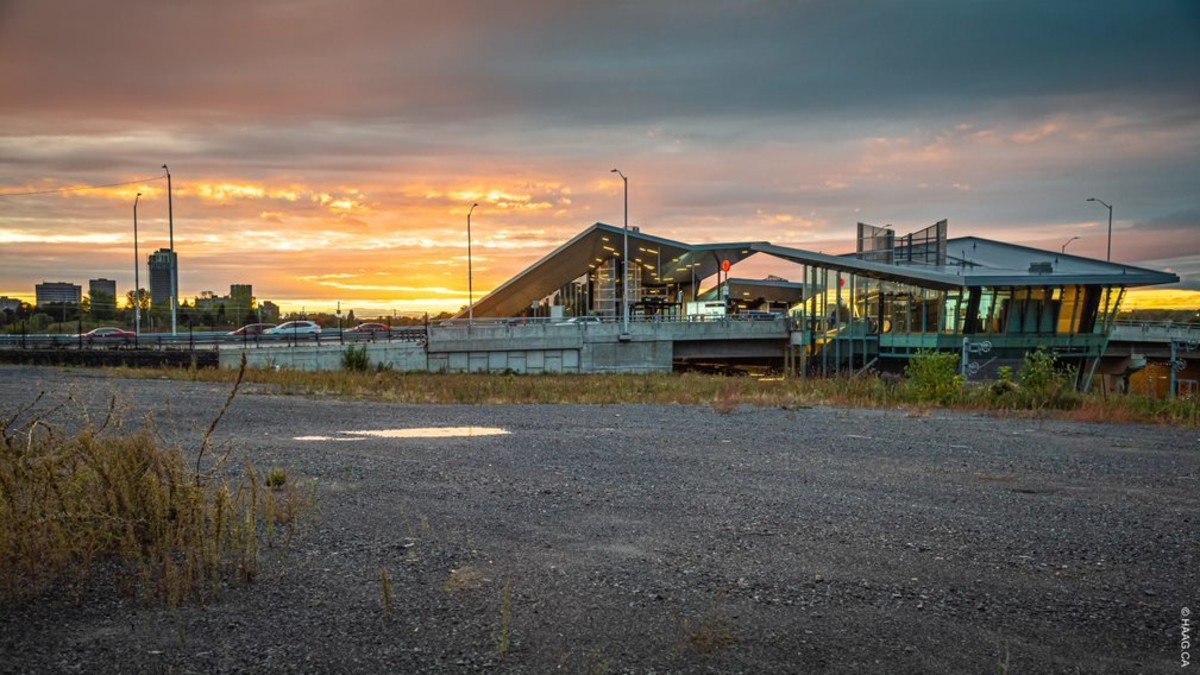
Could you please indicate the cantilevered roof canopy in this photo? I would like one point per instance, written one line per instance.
(771, 290)
(985, 262)
(662, 261)
(969, 262)
(974, 262)
(874, 270)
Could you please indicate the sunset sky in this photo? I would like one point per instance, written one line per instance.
(328, 151)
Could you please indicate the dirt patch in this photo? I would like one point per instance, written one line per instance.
(631, 539)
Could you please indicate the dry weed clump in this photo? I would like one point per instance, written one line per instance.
(105, 498)
(463, 579)
(709, 633)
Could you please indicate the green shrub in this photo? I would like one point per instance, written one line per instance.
(355, 358)
(276, 478)
(933, 376)
(1045, 385)
(1004, 383)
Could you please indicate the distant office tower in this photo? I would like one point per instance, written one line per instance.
(103, 290)
(164, 267)
(241, 301)
(58, 292)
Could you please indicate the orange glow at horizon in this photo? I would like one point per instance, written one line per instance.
(397, 245)
(393, 242)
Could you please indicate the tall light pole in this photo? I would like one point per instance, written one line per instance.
(171, 245)
(1109, 207)
(1064, 246)
(137, 296)
(470, 276)
(625, 260)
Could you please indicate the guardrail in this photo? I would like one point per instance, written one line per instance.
(607, 321)
(1155, 331)
(207, 340)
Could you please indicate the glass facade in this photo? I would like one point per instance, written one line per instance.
(849, 321)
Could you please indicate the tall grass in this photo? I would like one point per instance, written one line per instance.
(724, 394)
(104, 500)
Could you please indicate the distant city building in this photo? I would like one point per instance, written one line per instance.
(241, 301)
(7, 303)
(103, 292)
(210, 302)
(233, 307)
(268, 311)
(164, 269)
(60, 292)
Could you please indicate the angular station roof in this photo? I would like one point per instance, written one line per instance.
(969, 262)
(661, 259)
(974, 262)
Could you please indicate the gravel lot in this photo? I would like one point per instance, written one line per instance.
(663, 539)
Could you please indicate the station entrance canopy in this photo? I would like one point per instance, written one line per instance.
(927, 259)
(662, 262)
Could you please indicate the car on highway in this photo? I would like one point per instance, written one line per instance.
(370, 328)
(580, 320)
(294, 328)
(253, 329)
(108, 335)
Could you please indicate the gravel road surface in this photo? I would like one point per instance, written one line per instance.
(663, 539)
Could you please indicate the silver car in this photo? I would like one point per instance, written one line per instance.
(295, 328)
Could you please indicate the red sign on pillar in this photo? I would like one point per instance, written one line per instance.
(725, 266)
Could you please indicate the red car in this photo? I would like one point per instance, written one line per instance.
(369, 328)
(108, 335)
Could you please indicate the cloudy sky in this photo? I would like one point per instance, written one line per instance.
(328, 150)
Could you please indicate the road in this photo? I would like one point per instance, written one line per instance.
(667, 539)
(207, 339)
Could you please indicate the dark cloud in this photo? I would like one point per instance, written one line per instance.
(621, 62)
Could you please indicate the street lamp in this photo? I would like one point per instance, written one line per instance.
(171, 245)
(1064, 246)
(470, 277)
(625, 259)
(137, 304)
(1109, 207)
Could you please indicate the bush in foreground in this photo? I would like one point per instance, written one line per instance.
(933, 377)
(71, 505)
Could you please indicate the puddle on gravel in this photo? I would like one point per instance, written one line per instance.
(431, 432)
(422, 432)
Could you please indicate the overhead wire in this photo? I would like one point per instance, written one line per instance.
(81, 187)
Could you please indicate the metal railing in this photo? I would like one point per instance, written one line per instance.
(193, 340)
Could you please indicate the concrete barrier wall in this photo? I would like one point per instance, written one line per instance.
(400, 356)
(532, 348)
(645, 356)
(532, 361)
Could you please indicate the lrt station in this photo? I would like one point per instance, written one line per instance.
(589, 307)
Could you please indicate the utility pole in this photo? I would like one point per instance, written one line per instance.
(171, 246)
(470, 277)
(137, 299)
(1109, 207)
(625, 260)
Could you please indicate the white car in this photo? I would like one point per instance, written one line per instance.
(577, 320)
(295, 328)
